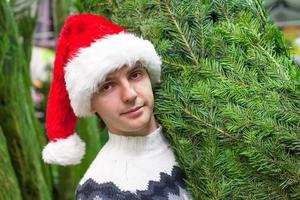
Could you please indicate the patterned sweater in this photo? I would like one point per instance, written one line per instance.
(134, 168)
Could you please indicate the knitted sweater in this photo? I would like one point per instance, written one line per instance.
(134, 168)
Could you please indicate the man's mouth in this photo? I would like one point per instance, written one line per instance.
(136, 108)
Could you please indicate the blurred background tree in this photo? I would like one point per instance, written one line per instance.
(19, 125)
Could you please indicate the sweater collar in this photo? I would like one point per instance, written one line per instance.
(137, 145)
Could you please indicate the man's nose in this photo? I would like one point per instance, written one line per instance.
(128, 93)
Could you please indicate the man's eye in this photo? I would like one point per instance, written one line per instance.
(106, 87)
(136, 75)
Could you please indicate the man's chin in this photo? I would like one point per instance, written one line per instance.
(137, 129)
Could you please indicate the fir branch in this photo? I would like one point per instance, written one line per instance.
(178, 65)
(181, 33)
(173, 64)
(261, 12)
(267, 53)
(210, 125)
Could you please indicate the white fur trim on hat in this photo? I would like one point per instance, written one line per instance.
(92, 64)
(67, 151)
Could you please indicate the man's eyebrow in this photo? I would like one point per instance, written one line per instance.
(109, 78)
(134, 68)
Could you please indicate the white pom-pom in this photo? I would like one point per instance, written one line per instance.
(67, 151)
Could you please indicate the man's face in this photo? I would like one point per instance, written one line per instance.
(125, 102)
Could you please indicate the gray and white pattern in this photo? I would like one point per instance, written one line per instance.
(169, 187)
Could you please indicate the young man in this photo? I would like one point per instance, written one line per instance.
(100, 68)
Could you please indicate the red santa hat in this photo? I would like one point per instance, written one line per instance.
(89, 48)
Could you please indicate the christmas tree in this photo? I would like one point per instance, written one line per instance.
(229, 100)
